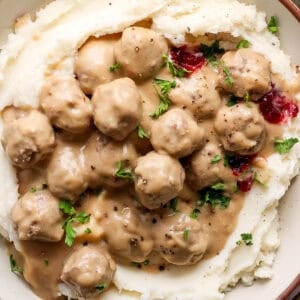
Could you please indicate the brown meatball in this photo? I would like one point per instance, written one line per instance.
(92, 65)
(158, 179)
(180, 240)
(250, 73)
(201, 172)
(89, 271)
(66, 173)
(176, 133)
(125, 232)
(140, 52)
(117, 108)
(36, 216)
(66, 105)
(102, 157)
(198, 94)
(241, 129)
(29, 139)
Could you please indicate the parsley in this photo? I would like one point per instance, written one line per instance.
(165, 85)
(233, 100)
(246, 238)
(142, 134)
(243, 44)
(146, 262)
(66, 207)
(46, 262)
(228, 78)
(115, 67)
(213, 197)
(88, 231)
(219, 186)
(247, 98)
(216, 159)
(123, 171)
(235, 187)
(13, 265)
(162, 107)
(256, 179)
(186, 234)
(273, 26)
(173, 204)
(175, 69)
(210, 52)
(284, 146)
(226, 160)
(101, 287)
(195, 213)
(44, 186)
(139, 265)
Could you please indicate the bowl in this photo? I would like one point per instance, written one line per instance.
(286, 266)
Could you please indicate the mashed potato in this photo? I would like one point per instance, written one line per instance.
(49, 45)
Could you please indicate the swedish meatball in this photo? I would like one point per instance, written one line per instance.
(102, 157)
(180, 240)
(201, 172)
(158, 179)
(29, 139)
(36, 216)
(249, 71)
(198, 94)
(176, 133)
(140, 52)
(125, 232)
(66, 105)
(92, 65)
(117, 108)
(66, 173)
(241, 129)
(89, 271)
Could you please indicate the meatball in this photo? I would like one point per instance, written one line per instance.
(198, 94)
(29, 139)
(92, 65)
(241, 129)
(117, 108)
(36, 216)
(180, 240)
(176, 133)
(125, 232)
(249, 71)
(103, 157)
(66, 105)
(140, 52)
(201, 172)
(158, 179)
(89, 271)
(66, 173)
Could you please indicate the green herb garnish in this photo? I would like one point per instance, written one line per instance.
(247, 99)
(46, 262)
(233, 100)
(213, 197)
(175, 69)
(38, 189)
(101, 287)
(115, 67)
(66, 207)
(88, 231)
(210, 52)
(256, 179)
(142, 133)
(13, 266)
(165, 85)
(219, 186)
(186, 234)
(228, 78)
(123, 171)
(246, 238)
(284, 146)
(243, 44)
(173, 204)
(217, 158)
(195, 213)
(273, 26)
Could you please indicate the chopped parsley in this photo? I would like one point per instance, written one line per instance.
(175, 69)
(219, 186)
(246, 238)
(235, 187)
(210, 52)
(243, 44)
(165, 85)
(247, 99)
(13, 266)
(142, 134)
(195, 213)
(173, 205)
(217, 158)
(233, 100)
(213, 197)
(101, 287)
(273, 26)
(73, 217)
(226, 160)
(186, 234)
(228, 78)
(123, 171)
(88, 231)
(46, 262)
(146, 262)
(44, 186)
(256, 179)
(115, 67)
(284, 146)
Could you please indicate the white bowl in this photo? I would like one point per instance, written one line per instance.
(286, 266)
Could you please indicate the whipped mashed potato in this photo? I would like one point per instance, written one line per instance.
(49, 45)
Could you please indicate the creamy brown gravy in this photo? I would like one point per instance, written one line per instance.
(43, 262)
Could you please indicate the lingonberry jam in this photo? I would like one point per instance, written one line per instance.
(188, 58)
(277, 108)
(240, 164)
(245, 183)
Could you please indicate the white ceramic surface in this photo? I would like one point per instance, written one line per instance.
(287, 264)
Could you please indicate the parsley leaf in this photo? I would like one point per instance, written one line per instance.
(46, 262)
(243, 44)
(165, 85)
(195, 213)
(210, 52)
(256, 179)
(216, 159)
(13, 266)
(273, 26)
(213, 197)
(44, 186)
(66, 207)
(246, 238)
(162, 107)
(284, 146)
(115, 67)
(123, 171)
(186, 234)
(175, 69)
(101, 287)
(247, 99)
(88, 231)
(173, 205)
(219, 186)
(233, 100)
(228, 78)
(142, 134)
